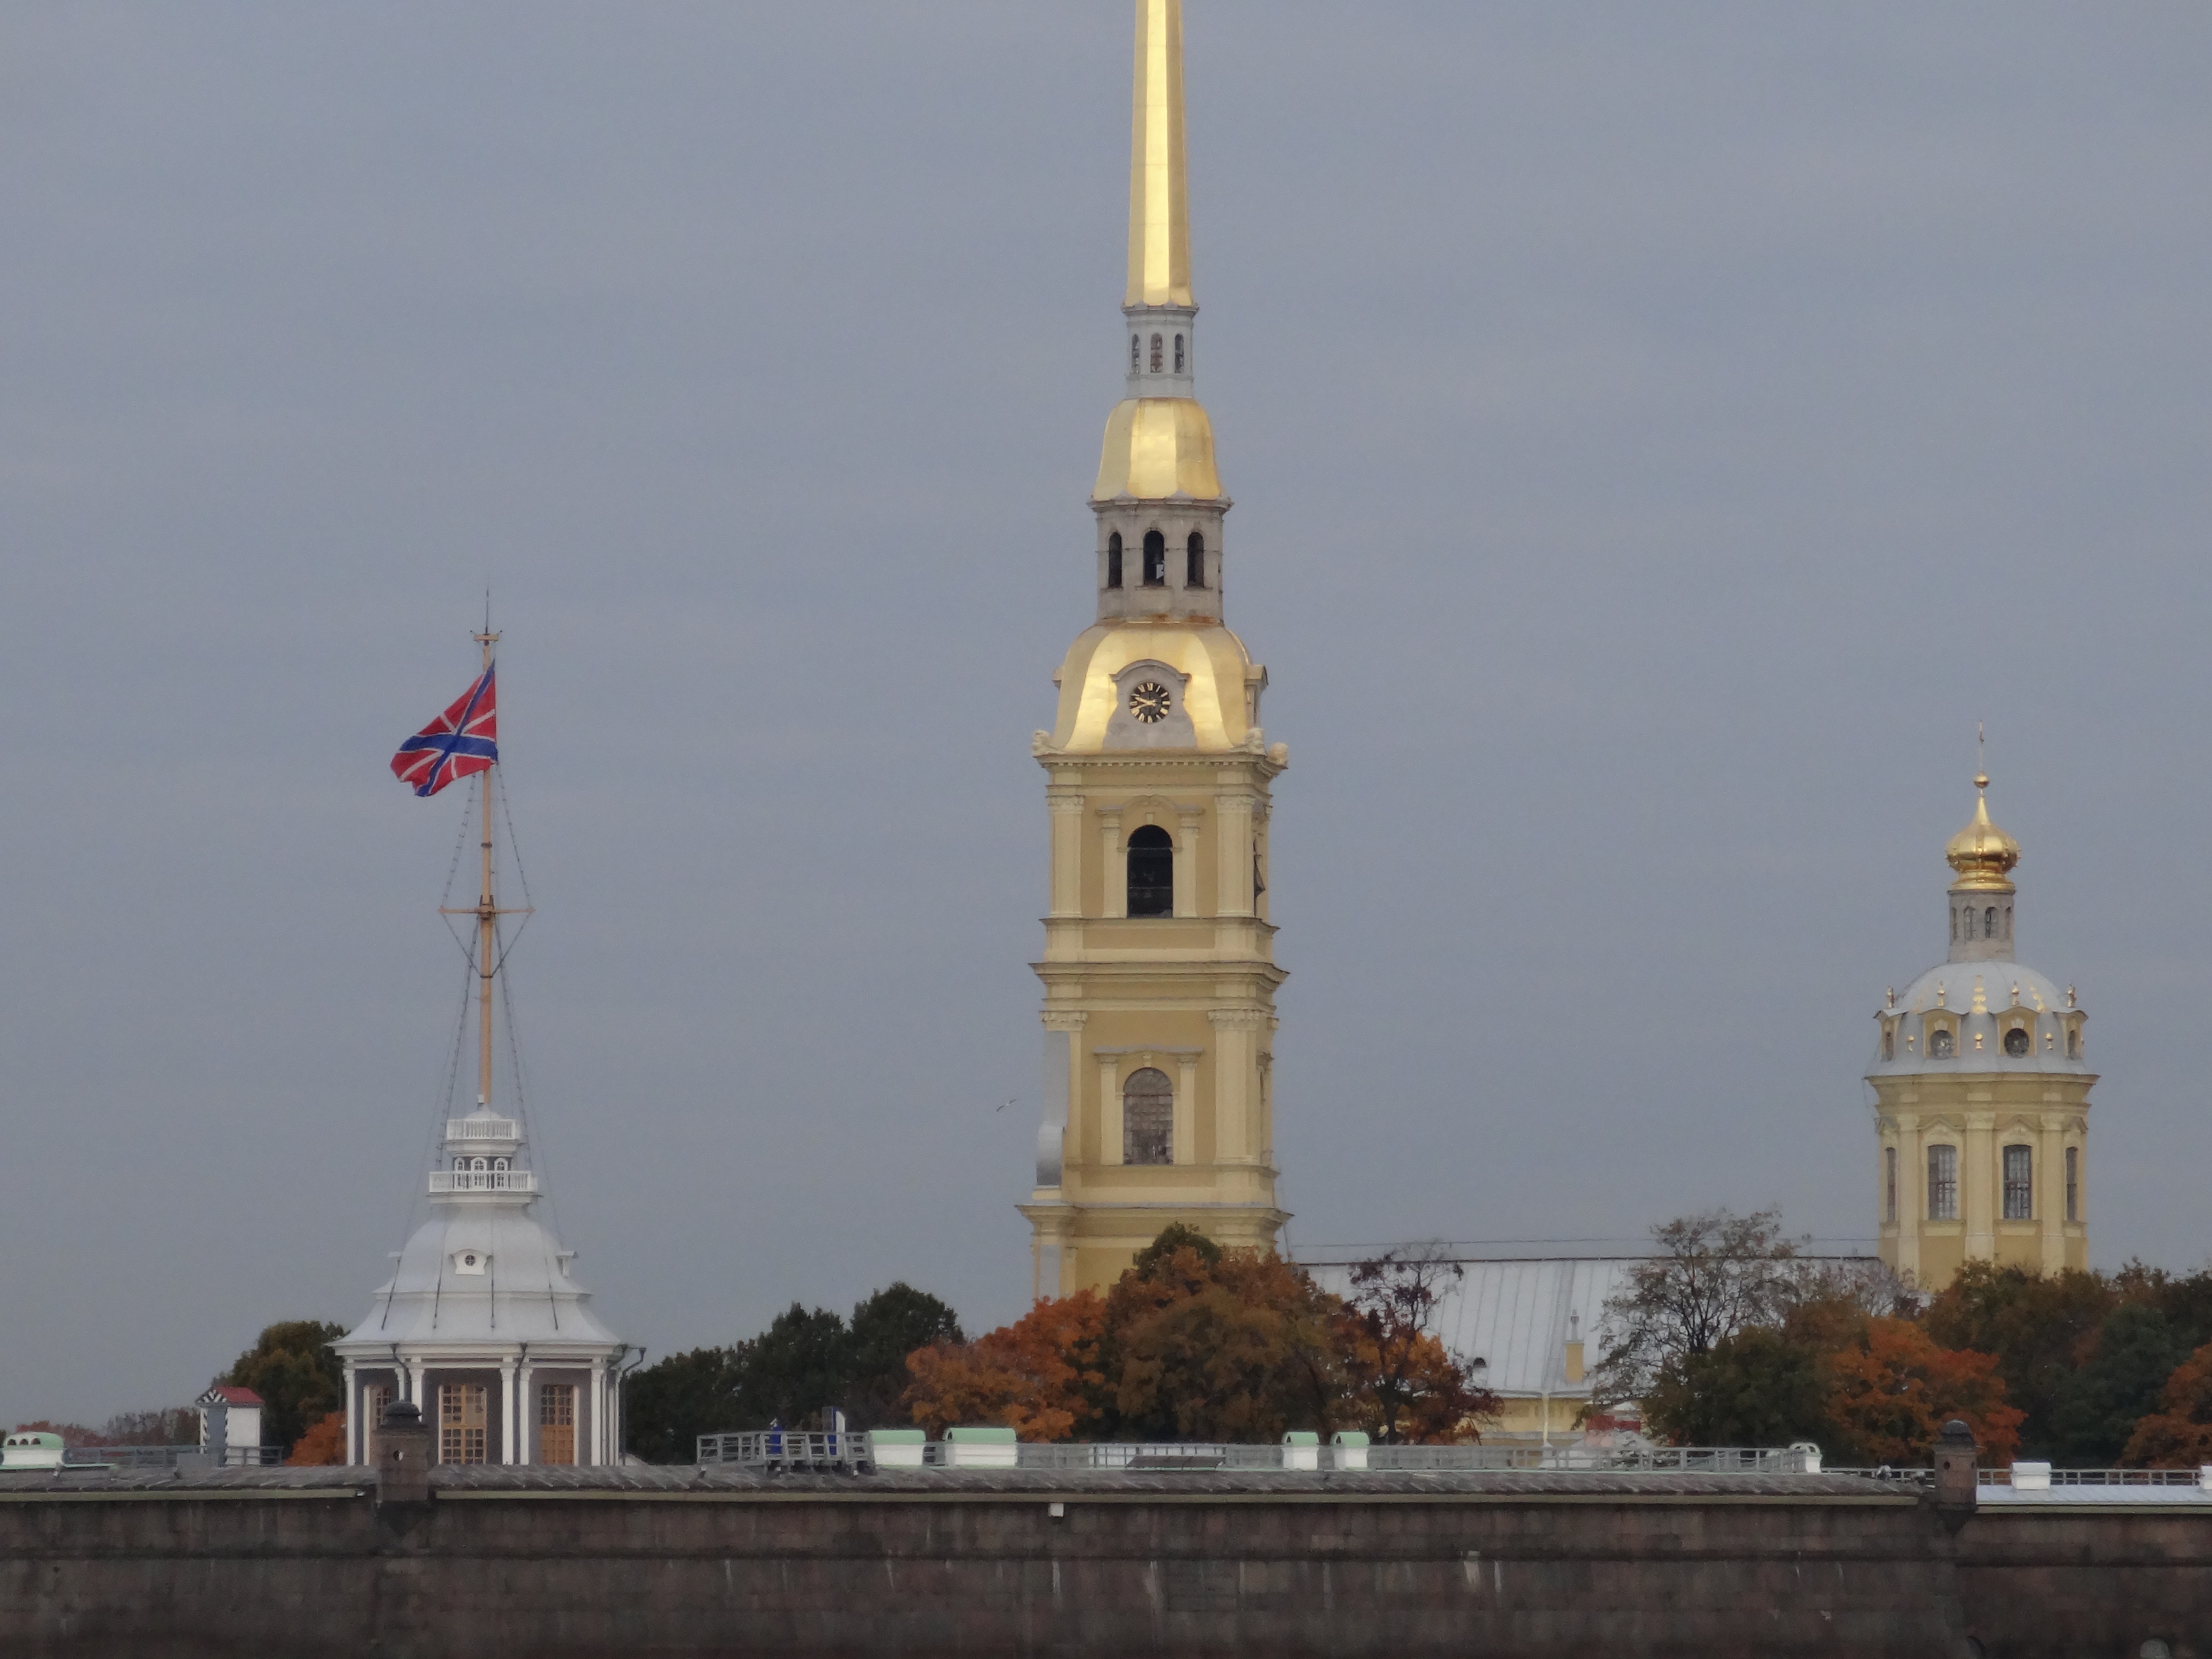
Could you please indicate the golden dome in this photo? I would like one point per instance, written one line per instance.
(1982, 853)
(1157, 448)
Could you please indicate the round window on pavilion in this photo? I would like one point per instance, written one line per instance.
(2018, 1043)
(1941, 1045)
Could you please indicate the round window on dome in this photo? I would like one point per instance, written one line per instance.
(2017, 1041)
(472, 1261)
(1941, 1044)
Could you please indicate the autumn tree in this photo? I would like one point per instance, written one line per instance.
(1893, 1389)
(1405, 1384)
(300, 1378)
(1039, 1376)
(2179, 1434)
(324, 1443)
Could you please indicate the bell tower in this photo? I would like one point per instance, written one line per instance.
(1981, 1081)
(1159, 973)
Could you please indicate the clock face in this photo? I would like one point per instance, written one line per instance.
(1149, 703)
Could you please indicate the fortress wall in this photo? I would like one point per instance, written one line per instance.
(836, 1568)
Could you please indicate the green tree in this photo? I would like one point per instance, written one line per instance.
(1760, 1387)
(884, 1329)
(807, 1359)
(667, 1405)
(1711, 1275)
(2040, 1329)
(291, 1366)
(2137, 1349)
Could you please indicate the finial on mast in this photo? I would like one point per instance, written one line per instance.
(1159, 180)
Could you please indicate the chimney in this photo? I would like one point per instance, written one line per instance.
(1955, 1476)
(399, 1446)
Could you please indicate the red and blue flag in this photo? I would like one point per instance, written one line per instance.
(460, 743)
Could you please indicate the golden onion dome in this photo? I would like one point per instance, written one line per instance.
(1982, 853)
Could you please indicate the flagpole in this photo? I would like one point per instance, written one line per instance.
(486, 918)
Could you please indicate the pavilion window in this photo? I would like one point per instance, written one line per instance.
(557, 1423)
(1136, 353)
(2073, 1183)
(2017, 1041)
(1179, 357)
(2019, 1183)
(1942, 1183)
(1151, 873)
(463, 1417)
(1148, 1118)
(1941, 1045)
(1193, 575)
(1114, 559)
(1157, 349)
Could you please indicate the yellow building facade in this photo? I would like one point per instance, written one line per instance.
(1981, 1082)
(1159, 971)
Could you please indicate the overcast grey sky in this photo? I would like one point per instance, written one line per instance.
(1658, 433)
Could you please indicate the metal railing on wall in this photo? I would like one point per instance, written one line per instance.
(796, 1449)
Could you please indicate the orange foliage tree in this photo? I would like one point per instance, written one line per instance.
(1893, 1389)
(1195, 1341)
(1039, 1376)
(324, 1442)
(2179, 1435)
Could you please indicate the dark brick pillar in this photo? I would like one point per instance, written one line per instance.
(400, 1448)
(1956, 1477)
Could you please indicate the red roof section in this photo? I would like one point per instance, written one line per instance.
(230, 1396)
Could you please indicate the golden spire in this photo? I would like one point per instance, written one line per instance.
(1159, 180)
(1982, 853)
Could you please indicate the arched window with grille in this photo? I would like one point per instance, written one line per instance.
(1136, 353)
(1157, 347)
(1942, 1183)
(1179, 356)
(1156, 559)
(1114, 559)
(1151, 873)
(1194, 571)
(2019, 1183)
(1148, 1118)
(1989, 922)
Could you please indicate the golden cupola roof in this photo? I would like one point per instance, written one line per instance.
(1983, 854)
(1159, 443)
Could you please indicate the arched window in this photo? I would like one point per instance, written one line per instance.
(1989, 922)
(1942, 1183)
(1889, 1164)
(2073, 1183)
(1136, 353)
(1941, 1045)
(1179, 353)
(1148, 1118)
(2016, 1041)
(1954, 924)
(1114, 559)
(2019, 1183)
(1194, 572)
(1889, 1042)
(1156, 559)
(1151, 873)
(1156, 350)
(478, 1164)
(2007, 921)
(2073, 1045)
(499, 1163)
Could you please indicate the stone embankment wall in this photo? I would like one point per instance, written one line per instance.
(539, 1562)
